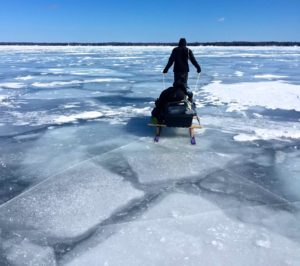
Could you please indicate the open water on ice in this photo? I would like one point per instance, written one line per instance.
(82, 183)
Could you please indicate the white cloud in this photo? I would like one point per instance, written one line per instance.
(221, 20)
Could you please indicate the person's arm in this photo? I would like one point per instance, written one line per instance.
(194, 61)
(170, 62)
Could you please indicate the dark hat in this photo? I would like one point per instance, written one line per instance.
(182, 42)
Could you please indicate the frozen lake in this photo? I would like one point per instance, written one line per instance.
(83, 183)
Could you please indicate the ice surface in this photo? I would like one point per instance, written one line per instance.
(169, 163)
(26, 253)
(70, 203)
(190, 230)
(83, 183)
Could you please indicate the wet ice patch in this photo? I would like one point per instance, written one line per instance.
(272, 94)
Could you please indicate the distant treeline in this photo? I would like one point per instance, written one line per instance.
(236, 43)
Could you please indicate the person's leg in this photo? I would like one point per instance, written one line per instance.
(189, 93)
(184, 77)
(181, 78)
(177, 77)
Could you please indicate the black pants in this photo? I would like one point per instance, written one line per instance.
(181, 77)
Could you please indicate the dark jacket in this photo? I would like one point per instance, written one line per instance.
(180, 56)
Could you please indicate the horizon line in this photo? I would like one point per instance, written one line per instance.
(117, 43)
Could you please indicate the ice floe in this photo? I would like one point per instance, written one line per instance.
(184, 163)
(200, 233)
(70, 203)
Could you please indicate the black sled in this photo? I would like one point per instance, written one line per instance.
(180, 114)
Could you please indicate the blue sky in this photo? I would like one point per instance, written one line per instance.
(149, 20)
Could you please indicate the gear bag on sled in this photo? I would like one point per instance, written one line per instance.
(176, 114)
(179, 114)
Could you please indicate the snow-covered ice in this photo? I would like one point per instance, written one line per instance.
(271, 94)
(12, 85)
(83, 183)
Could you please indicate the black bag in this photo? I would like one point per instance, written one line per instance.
(179, 114)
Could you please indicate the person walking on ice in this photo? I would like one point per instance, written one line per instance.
(180, 56)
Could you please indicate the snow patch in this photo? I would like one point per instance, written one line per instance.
(269, 94)
(28, 253)
(12, 85)
(66, 83)
(269, 76)
(263, 243)
(239, 73)
(268, 134)
(55, 83)
(103, 80)
(24, 78)
(72, 118)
